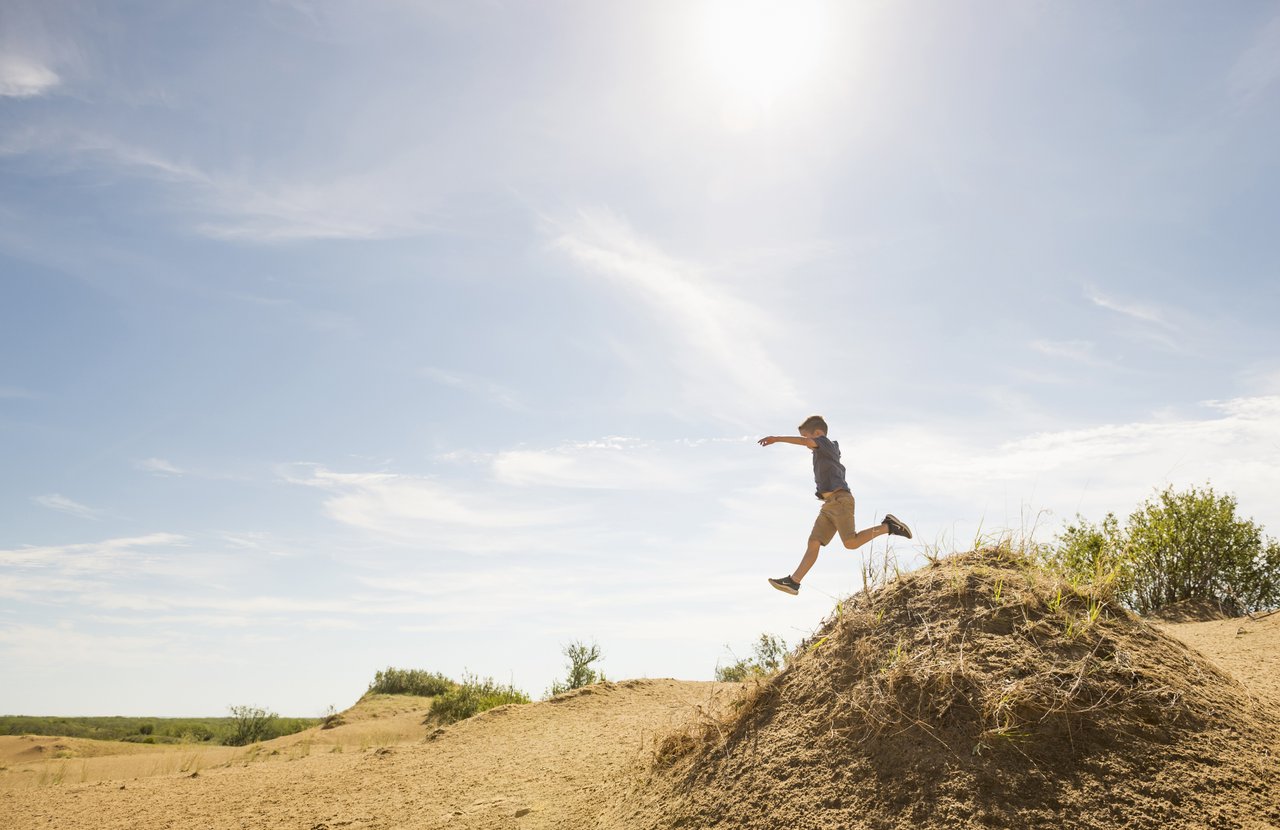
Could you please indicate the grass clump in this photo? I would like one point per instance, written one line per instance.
(395, 681)
(471, 697)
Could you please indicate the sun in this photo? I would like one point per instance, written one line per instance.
(757, 50)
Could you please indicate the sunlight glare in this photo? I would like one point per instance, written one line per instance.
(760, 50)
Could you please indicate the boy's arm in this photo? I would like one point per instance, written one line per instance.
(798, 440)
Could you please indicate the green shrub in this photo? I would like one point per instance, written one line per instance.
(769, 656)
(470, 697)
(579, 673)
(1176, 546)
(410, 682)
(250, 724)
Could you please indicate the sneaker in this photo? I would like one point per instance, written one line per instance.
(786, 584)
(896, 527)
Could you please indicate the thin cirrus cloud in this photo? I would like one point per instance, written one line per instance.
(372, 204)
(620, 463)
(1258, 67)
(159, 466)
(59, 502)
(22, 77)
(111, 557)
(495, 392)
(417, 510)
(1099, 468)
(1146, 321)
(717, 342)
(1079, 351)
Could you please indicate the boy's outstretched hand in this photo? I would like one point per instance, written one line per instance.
(772, 439)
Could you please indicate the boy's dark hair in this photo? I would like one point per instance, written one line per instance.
(813, 422)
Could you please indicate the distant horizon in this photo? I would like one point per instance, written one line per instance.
(440, 335)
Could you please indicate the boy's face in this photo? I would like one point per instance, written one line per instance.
(810, 433)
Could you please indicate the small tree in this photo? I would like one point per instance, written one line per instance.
(580, 673)
(769, 656)
(249, 725)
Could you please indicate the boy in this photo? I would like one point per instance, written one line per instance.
(837, 508)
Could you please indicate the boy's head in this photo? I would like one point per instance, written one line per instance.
(813, 425)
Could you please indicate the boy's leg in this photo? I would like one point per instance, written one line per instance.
(860, 538)
(810, 556)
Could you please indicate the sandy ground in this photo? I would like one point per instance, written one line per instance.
(1249, 649)
(546, 765)
(36, 761)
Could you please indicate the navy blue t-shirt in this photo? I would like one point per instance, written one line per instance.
(828, 472)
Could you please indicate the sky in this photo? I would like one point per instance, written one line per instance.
(337, 336)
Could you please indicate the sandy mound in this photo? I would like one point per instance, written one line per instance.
(1195, 610)
(977, 693)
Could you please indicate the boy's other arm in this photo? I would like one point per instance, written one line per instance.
(798, 440)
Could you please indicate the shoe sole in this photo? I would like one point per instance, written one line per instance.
(786, 589)
(894, 520)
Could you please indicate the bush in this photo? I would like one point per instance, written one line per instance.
(1176, 546)
(580, 672)
(409, 682)
(770, 654)
(249, 725)
(470, 697)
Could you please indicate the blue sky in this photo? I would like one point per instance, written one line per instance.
(336, 336)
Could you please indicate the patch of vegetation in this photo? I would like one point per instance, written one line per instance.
(1176, 546)
(395, 681)
(470, 697)
(331, 718)
(769, 654)
(161, 730)
(579, 672)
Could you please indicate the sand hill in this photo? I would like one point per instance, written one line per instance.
(968, 694)
(979, 693)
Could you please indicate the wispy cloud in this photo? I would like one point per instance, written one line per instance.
(1153, 323)
(717, 343)
(1129, 308)
(159, 466)
(21, 77)
(422, 511)
(1097, 468)
(57, 501)
(106, 555)
(1080, 351)
(617, 463)
(1258, 67)
(495, 392)
(372, 204)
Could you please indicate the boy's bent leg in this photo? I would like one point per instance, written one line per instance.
(860, 538)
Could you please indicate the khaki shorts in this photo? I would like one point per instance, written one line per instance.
(836, 516)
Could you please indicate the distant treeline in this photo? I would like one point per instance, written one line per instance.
(145, 730)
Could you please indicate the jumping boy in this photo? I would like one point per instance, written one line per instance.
(837, 501)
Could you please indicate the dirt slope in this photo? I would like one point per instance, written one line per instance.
(546, 765)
